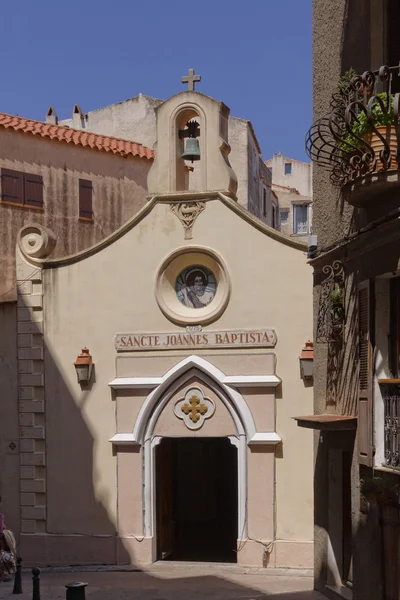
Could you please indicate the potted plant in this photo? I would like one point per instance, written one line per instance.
(337, 304)
(383, 123)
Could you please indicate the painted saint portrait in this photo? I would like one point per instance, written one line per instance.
(196, 286)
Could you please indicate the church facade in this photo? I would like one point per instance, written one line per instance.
(159, 376)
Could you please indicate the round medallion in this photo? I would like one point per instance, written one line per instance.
(192, 286)
(196, 286)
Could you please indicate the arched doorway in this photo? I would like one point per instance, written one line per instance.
(197, 499)
(155, 411)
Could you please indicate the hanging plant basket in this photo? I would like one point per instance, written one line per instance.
(388, 132)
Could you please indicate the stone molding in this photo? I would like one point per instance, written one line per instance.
(34, 242)
(167, 199)
(187, 213)
(31, 403)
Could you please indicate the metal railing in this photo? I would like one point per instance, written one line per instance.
(361, 133)
(391, 398)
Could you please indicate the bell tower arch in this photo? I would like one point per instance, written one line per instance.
(213, 172)
(181, 121)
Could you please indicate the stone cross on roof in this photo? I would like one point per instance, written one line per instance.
(190, 79)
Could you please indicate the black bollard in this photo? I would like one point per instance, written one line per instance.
(76, 590)
(17, 589)
(36, 584)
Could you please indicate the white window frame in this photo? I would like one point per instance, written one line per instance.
(287, 218)
(306, 205)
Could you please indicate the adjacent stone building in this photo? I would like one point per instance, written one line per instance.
(83, 187)
(159, 373)
(292, 186)
(354, 146)
(135, 119)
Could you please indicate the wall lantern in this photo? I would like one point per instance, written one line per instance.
(84, 366)
(307, 361)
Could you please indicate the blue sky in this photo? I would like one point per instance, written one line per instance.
(255, 55)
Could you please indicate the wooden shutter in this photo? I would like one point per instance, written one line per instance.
(365, 383)
(85, 199)
(33, 190)
(12, 186)
(394, 328)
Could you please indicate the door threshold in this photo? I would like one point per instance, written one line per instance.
(189, 566)
(193, 564)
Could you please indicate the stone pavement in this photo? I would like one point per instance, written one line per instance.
(174, 581)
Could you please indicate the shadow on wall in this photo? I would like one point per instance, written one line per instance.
(356, 44)
(350, 538)
(342, 361)
(70, 507)
(368, 555)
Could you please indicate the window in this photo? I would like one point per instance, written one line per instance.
(256, 160)
(21, 188)
(288, 168)
(85, 199)
(392, 41)
(394, 332)
(264, 202)
(274, 213)
(300, 218)
(284, 216)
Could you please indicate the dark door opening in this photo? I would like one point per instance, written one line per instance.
(196, 499)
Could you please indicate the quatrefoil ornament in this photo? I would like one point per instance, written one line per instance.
(194, 408)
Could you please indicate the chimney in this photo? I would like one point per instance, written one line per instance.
(78, 119)
(51, 116)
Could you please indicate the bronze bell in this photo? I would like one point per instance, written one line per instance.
(192, 150)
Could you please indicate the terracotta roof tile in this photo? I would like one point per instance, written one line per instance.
(80, 138)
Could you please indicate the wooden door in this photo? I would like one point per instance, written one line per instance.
(164, 516)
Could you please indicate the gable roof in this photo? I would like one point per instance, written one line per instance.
(192, 196)
(78, 137)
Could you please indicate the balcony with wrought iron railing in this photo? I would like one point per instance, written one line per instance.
(358, 140)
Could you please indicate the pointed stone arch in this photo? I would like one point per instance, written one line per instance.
(184, 370)
(226, 387)
(143, 432)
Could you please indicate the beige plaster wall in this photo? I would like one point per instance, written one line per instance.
(300, 177)
(119, 190)
(128, 404)
(251, 172)
(219, 425)
(271, 287)
(261, 402)
(133, 119)
(130, 490)
(287, 199)
(261, 493)
(249, 363)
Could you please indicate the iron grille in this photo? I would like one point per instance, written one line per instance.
(333, 141)
(331, 309)
(391, 399)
